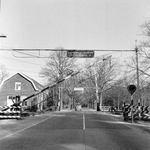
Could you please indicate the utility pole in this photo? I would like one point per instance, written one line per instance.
(118, 101)
(97, 95)
(104, 68)
(137, 74)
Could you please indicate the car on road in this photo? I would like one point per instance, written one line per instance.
(78, 107)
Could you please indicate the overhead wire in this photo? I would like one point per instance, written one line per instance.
(28, 55)
(49, 49)
(21, 70)
(4, 57)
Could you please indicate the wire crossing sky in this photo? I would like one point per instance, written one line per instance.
(71, 24)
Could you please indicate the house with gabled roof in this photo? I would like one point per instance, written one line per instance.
(18, 87)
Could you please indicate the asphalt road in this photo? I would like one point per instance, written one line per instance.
(85, 130)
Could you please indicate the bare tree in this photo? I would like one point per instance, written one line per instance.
(57, 66)
(144, 75)
(100, 75)
(144, 53)
(144, 57)
(145, 27)
(3, 73)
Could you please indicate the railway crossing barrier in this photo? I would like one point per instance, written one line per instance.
(12, 112)
(140, 113)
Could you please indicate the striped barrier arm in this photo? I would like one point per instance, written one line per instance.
(3, 107)
(10, 117)
(141, 112)
(9, 112)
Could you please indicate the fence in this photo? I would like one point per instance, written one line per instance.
(105, 108)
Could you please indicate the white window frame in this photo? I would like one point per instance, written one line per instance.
(9, 100)
(17, 86)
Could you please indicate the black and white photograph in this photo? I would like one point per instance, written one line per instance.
(74, 75)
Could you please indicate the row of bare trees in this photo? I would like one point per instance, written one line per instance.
(100, 74)
(101, 79)
(3, 73)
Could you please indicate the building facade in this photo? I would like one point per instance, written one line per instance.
(18, 87)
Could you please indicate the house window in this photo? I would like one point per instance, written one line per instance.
(9, 97)
(17, 86)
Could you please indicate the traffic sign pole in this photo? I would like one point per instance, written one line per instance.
(137, 73)
(132, 108)
(131, 89)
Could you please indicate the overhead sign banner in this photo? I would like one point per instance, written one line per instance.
(78, 89)
(80, 53)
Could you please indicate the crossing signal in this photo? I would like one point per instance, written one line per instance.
(131, 89)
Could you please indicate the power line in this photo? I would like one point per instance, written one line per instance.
(28, 55)
(3, 57)
(21, 70)
(48, 49)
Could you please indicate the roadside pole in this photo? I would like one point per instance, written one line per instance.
(137, 74)
(97, 96)
(131, 90)
(118, 101)
(132, 108)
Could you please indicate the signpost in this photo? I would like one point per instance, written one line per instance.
(80, 53)
(131, 89)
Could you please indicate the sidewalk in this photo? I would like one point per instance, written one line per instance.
(140, 122)
(146, 123)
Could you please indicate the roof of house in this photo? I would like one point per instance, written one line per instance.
(37, 86)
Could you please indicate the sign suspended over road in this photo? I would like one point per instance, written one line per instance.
(80, 53)
(79, 89)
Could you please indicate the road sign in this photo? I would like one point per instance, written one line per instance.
(79, 89)
(131, 89)
(80, 53)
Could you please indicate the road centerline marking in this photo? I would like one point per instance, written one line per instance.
(83, 121)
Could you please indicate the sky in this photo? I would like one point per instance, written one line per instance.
(71, 24)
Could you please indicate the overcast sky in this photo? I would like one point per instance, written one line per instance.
(74, 24)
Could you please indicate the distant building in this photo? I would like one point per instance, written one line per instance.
(18, 87)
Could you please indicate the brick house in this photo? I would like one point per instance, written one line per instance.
(17, 88)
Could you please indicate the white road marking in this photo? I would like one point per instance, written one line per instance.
(83, 121)
(25, 128)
